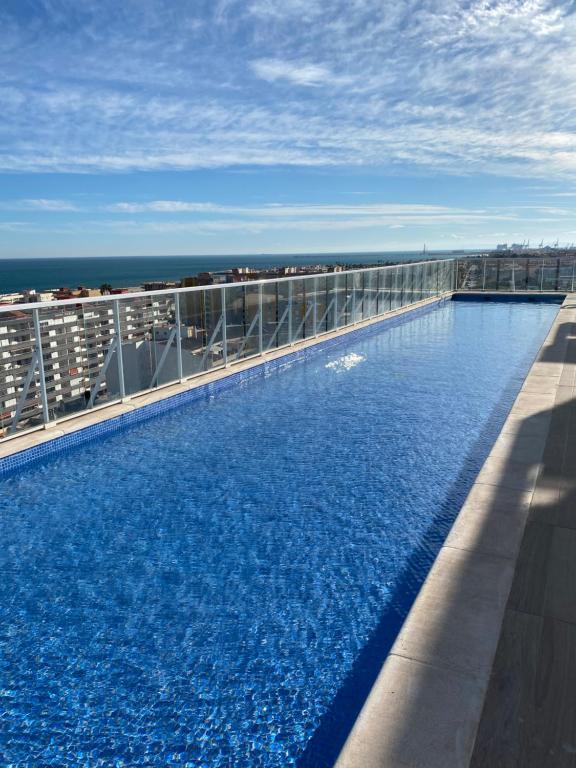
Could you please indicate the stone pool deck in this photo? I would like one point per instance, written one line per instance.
(483, 672)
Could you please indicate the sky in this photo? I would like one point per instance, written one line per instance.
(279, 126)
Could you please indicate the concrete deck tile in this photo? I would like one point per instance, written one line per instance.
(523, 448)
(564, 395)
(546, 369)
(446, 706)
(560, 513)
(529, 583)
(560, 594)
(549, 736)
(541, 385)
(517, 423)
(530, 403)
(22, 442)
(554, 454)
(529, 718)
(483, 495)
(568, 375)
(510, 474)
(508, 704)
(455, 621)
(492, 529)
(95, 417)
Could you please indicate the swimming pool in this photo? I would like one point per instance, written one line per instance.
(220, 585)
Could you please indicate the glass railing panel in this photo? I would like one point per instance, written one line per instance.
(533, 271)
(407, 278)
(436, 278)
(80, 353)
(337, 295)
(327, 319)
(270, 315)
(550, 274)
(242, 321)
(194, 337)
(319, 289)
(357, 301)
(369, 308)
(520, 274)
(470, 274)
(302, 309)
(20, 393)
(345, 299)
(148, 334)
(506, 274)
(425, 292)
(385, 283)
(565, 275)
(417, 292)
(396, 282)
(214, 351)
(283, 323)
(491, 275)
(409, 284)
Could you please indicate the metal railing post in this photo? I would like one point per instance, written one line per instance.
(484, 275)
(178, 335)
(261, 323)
(118, 332)
(573, 263)
(224, 333)
(542, 276)
(43, 391)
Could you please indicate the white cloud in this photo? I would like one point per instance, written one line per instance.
(300, 74)
(458, 86)
(38, 205)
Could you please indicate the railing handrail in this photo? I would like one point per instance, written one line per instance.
(193, 288)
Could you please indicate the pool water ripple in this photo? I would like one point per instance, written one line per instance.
(196, 590)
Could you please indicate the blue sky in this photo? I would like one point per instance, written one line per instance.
(242, 126)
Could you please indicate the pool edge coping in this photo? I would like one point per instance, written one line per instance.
(424, 710)
(32, 446)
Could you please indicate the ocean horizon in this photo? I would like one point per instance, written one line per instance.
(45, 273)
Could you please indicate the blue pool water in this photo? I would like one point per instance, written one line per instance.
(219, 586)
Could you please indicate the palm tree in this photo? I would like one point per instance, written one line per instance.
(105, 288)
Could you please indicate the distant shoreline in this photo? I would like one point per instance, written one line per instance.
(45, 273)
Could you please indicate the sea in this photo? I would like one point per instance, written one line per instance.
(20, 274)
